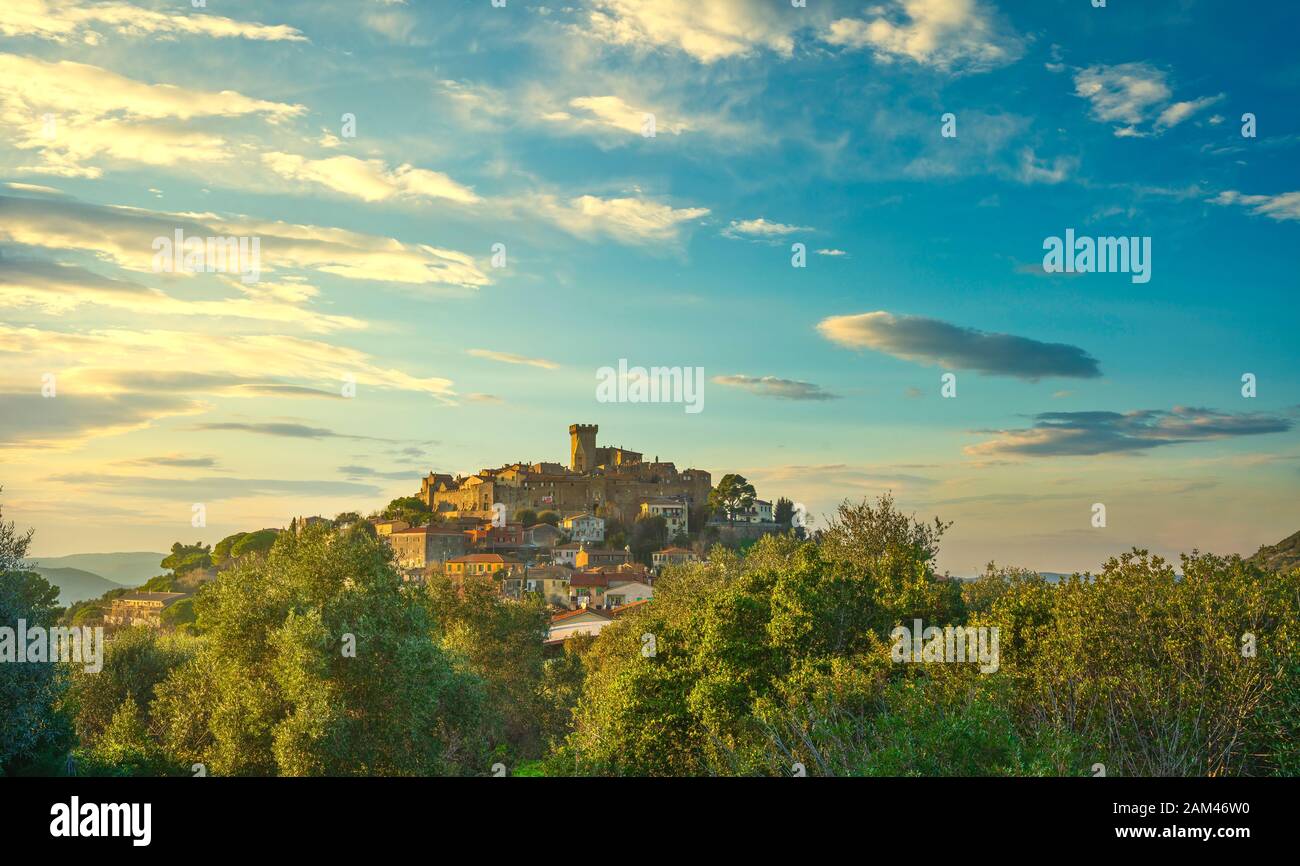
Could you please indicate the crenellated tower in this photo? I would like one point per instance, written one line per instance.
(582, 447)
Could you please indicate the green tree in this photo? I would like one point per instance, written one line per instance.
(412, 509)
(316, 660)
(188, 557)
(526, 516)
(648, 535)
(500, 641)
(732, 495)
(783, 511)
(549, 517)
(221, 551)
(136, 661)
(29, 693)
(126, 748)
(259, 542)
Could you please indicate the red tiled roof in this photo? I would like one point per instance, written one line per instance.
(587, 578)
(572, 613)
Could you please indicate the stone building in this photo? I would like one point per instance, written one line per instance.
(141, 608)
(422, 546)
(611, 482)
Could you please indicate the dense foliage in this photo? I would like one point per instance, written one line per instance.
(308, 654)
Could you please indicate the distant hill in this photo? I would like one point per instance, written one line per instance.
(75, 584)
(127, 569)
(1283, 556)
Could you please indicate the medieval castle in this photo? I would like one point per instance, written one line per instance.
(610, 482)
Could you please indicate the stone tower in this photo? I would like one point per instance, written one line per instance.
(582, 447)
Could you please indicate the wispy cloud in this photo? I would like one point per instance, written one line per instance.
(955, 35)
(771, 386)
(70, 20)
(1282, 207)
(761, 229)
(369, 180)
(214, 487)
(631, 220)
(511, 358)
(723, 29)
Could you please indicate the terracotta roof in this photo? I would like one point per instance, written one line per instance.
(624, 608)
(674, 550)
(589, 578)
(569, 614)
(485, 557)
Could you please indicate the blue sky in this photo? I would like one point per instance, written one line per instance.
(775, 125)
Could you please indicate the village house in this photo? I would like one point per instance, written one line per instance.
(585, 527)
(566, 554)
(550, 582)
(674, 512)
(759, 512)
(661, 559)
(584, 621)
(141, 608)
(385, 528)
(481, 564)
(543, 535)
(419, 547)
(489, 537)
(585, 558)
(610, 586)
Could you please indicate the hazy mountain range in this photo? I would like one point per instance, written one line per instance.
(80, 576)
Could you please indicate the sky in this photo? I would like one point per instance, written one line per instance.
(461, 217)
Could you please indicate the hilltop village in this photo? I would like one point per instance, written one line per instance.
(591, 537)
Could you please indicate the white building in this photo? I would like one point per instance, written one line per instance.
(584, 621)
(674, 513)
(585, 527)
(759, 512)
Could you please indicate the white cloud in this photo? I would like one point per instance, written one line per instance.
(1136, 98)
(95, 112)
(125, 237)
(613, 113)
(761, 228)
(708, 32)
(1180, 111)
(1282, 207)
(63, 20)
(946, 34)
(630, 220)
(369, 179)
